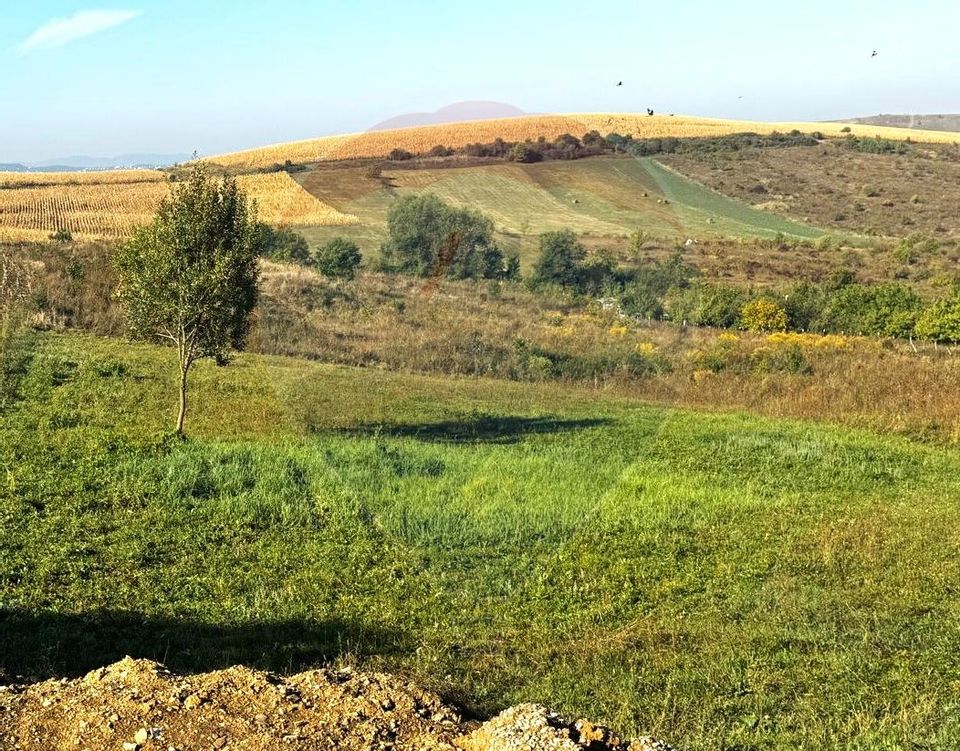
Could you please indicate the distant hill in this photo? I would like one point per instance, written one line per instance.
(452, 113)
(84, 163)
(924, 122)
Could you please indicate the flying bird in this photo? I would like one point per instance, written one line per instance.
(874, 54)
(620, 84)
(649, 112)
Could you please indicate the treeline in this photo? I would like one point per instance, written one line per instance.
(568, 146)
(429, 238)
(670, 290)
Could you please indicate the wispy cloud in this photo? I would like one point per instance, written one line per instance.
(60, 31)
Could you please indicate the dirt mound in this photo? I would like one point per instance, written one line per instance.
(138, 705)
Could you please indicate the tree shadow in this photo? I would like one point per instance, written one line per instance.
(496, 429)
(36, 646)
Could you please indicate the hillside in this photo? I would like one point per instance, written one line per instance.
(421, 139)
(923, 122)
(604, 199)
(336, 187)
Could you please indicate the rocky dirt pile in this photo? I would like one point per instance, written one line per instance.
(137, 705)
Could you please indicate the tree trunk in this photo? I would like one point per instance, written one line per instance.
(184, 368)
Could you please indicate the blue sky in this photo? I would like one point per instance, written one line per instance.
(217, 75)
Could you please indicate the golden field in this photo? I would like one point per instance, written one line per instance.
(105, 205)
(421, 139)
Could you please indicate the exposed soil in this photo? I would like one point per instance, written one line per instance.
(137, 705)
(835, 187)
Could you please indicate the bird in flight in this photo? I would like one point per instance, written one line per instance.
(874, 54)
(620, 84)
(649, 112)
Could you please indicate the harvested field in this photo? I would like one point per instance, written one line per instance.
(96, 206)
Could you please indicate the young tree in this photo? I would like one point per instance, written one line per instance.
(338, 258)
(561, 256)
(190, 277)
(427, 237)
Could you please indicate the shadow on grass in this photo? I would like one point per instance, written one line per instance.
(36, 646)
(503, 429)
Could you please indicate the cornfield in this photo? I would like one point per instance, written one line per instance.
(93, 206)
(422, 139)
(282, 201)
(37, 179)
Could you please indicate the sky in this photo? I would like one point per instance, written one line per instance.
(174, 76)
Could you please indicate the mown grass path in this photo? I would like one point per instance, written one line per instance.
(703, 210)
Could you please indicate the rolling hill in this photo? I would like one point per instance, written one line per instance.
(421, 139)
(335, 192)
(925, 122)
(602, 198)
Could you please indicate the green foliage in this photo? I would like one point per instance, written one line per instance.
(525, 153)
(647, 285)
(763, 314)
(427, 237)
(190, 277)
(718, 306)
(876, 145)
(940, 322)
(596, 273)
(62, 236)
(913, 247)
(873, 310)
(560, 260)
(283, 244)
(780, 359)
(339, 258)
(803, 303)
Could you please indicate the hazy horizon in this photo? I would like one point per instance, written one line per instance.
(168, 77)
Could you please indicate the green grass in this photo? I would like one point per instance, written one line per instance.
(695, 204)
(724, 581)
(604, 197)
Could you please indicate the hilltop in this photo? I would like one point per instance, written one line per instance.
(423, 138)
(924, 122)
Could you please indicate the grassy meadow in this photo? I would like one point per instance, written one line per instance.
(604, 198)
(724, 581)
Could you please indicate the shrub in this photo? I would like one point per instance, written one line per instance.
(62, 236)
(880, 310)
(596, 272)
(911, 248)
(339, 258)
(718, 306)
(399, 155)
(781, 359)
(282, 244)
(940, 321)
(524, 153)
(561, 256)
(804, 303)
(763, 314)
(428, 237)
